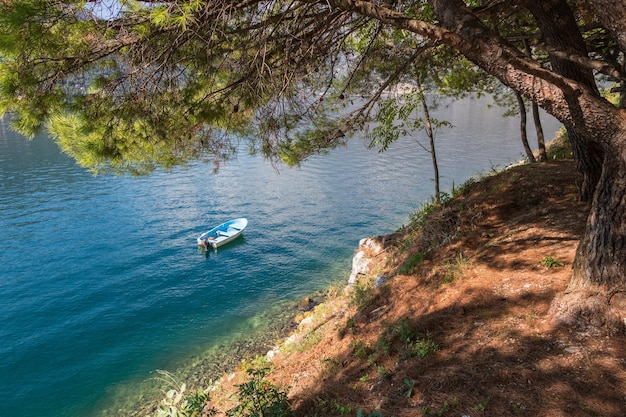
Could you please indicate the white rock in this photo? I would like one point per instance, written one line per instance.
(306, 320)
(375, 244)
(360, 265)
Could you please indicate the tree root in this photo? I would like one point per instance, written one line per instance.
(594, 312)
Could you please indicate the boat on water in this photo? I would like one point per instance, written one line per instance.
(222, 234)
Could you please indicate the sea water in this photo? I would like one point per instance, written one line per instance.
(101, 280)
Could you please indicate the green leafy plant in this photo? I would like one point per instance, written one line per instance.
(334, 407)
(423, 347)
(464, 188)
(448, 278)
(311, 339)
(550, 262)
(412, 263)
(419, 218)
(361, 295)
(331, 365)
(443, 410)
(383, 372)
(454, 268)
(482, 406)
(560, 147)
(178, 403)
(408, 387)
(259, 361)
(402, 338)
(260, 398)
(351, 323)
(361, 350)
(444, 197)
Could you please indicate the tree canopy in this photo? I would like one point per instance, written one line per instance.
(134, 85)
(128, 85)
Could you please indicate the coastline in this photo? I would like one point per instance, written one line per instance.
(205, 369)
(463, 327)
(287, 325)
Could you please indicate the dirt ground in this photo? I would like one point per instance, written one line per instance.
(493, 259)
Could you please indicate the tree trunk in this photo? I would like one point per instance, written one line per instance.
(596, 295)
(560, 31)
(605, 234)
(522, 127)
(541, 142)
(588, 158)
(431, 139)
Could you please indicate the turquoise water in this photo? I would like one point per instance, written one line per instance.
(101, 280)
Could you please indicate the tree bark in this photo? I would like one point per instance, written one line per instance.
(588, 163)
(601, 255)
(595, 299)
(522, 127)
(541, 142)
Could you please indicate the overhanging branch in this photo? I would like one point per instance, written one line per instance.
(599, 66)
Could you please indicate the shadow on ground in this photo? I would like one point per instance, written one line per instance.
(477, 306)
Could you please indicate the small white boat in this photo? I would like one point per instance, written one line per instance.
(222, 234)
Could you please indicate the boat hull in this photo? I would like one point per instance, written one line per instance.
(222, 234)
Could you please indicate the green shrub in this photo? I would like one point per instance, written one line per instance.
(412, 263)
(422, 347)
(177, 403)
(260, 398)
(464, 188)
(361, 295)
(361, 350)
(402, 338)
(418, 219)
(550, 262)
(454, 268)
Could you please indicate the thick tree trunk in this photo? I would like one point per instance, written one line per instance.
(596, 296)
(595, 299)
(605, 234)
(588, 158)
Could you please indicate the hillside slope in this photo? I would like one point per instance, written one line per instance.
(460, 327)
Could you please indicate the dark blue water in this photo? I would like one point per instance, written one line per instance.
(101, 280)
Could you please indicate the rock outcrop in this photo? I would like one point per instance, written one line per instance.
(369, 247)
